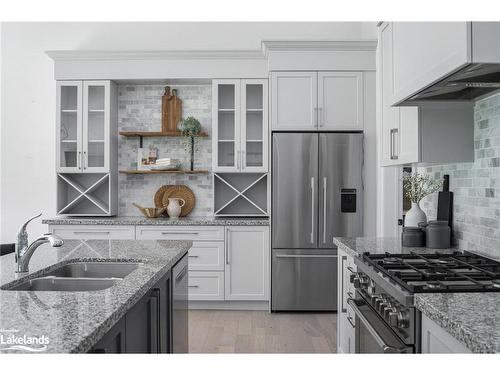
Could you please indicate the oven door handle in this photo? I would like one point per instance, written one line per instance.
(380, 341)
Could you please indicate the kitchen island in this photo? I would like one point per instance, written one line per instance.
(467, 322)
(74, 322)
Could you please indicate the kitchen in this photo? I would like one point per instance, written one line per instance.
(209, 201)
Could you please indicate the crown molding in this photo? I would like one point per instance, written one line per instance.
(317, 45)
(91, 55)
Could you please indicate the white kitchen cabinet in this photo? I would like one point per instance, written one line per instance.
(94, 232)
(340, 101)
(430, 133)
(84, 115)
(426, 52)
(294, 98)
(206, 286)
(317, 101)
(247, 263)
(345, 315)
(436, 340)
(240, 125)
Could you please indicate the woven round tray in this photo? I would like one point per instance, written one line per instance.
(176, 191)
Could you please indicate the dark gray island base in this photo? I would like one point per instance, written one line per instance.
(145, 312)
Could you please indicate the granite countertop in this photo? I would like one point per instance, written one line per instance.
(74, 321)
(141, 220)
(472, 318)
(356, 246)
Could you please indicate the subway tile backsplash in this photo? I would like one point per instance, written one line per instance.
(476, 186)
(139, 108)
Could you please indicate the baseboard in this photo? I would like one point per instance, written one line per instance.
(229, 305)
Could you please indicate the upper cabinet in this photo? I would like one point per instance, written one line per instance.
(428, 52)
(240, 125)
(430, 133)
(317, 100)
(83, 126)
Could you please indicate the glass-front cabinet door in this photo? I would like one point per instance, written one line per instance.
(96, 125)
(226, 125)
(69, 126)
(254, 120)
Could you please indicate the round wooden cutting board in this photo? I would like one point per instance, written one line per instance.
(176, 191)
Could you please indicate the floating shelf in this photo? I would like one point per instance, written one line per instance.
(137, 171)
(159, 134)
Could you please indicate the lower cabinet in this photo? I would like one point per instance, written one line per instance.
(345, 316)
(157, 323)
(247, 264)
(436, 340)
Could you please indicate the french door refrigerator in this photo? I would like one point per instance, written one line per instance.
(317, 191)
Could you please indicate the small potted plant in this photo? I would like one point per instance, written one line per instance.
(417, 186)
(190, 127)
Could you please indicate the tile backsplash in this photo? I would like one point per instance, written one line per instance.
(139, 108)
(476, 186)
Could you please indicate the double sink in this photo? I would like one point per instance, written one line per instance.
(79, 277)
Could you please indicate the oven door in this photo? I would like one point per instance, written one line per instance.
(373, 335)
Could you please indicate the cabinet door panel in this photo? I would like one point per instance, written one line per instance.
(247, 263)
(206, 286)
(96, 123)
(340, 100)
(254, 128)
(142, 324)
(113, 341)
(69, 126)
(226, 125)
(294, 100)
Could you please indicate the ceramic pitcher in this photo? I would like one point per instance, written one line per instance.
(174, 207)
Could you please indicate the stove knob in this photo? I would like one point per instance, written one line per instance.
(371, 288)
(383, 306)
(361, 281)
(374, 298)
(380, 300)
(398, 319)
(388, 310)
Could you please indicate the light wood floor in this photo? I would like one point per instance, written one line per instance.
(216, 331)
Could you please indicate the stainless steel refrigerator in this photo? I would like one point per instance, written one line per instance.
(317, 190)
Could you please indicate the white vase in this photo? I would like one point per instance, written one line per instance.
(415, 215)
(174, 208)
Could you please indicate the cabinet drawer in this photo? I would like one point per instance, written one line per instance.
(195, 233)
(94, 232)
(206, 286)
(206, 256)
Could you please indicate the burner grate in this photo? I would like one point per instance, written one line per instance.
(439, 272)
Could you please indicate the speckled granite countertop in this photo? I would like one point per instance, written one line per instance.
(141, 220)
(378, 245)
(472, 318)
(74, 321)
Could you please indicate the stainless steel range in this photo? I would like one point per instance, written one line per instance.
(386, 318)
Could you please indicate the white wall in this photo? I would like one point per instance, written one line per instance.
(28, 89)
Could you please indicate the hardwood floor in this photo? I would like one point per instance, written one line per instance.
(218, 331)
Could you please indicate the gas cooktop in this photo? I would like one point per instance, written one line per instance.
(438, 272)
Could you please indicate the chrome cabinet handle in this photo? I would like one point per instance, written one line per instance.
(193, 233)
(193, 256)
(324, 209)
(394, 132)
(193, 286)
(380, 341)
(312, 210)
(342, 260)
(227, 246)
(91, 232)
(305, 256)
(85, 160)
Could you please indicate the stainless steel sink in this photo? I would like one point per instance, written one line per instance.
(95, 269)
(65, 284)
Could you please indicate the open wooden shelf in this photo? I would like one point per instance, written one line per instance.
(160, 134)
(136, 171)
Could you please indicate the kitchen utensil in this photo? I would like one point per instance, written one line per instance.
(179, 191)
(445, 203)
(174, 207)
(150, 212)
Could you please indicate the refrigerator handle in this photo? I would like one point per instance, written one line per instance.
(312, 210)
(324, 209)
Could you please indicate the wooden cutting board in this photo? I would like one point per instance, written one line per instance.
(175, 191)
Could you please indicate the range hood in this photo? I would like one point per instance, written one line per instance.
(468, 83)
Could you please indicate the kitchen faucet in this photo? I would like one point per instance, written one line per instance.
(24, 250)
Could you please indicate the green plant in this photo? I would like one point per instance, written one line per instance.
(190, 126)
(417, 186)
